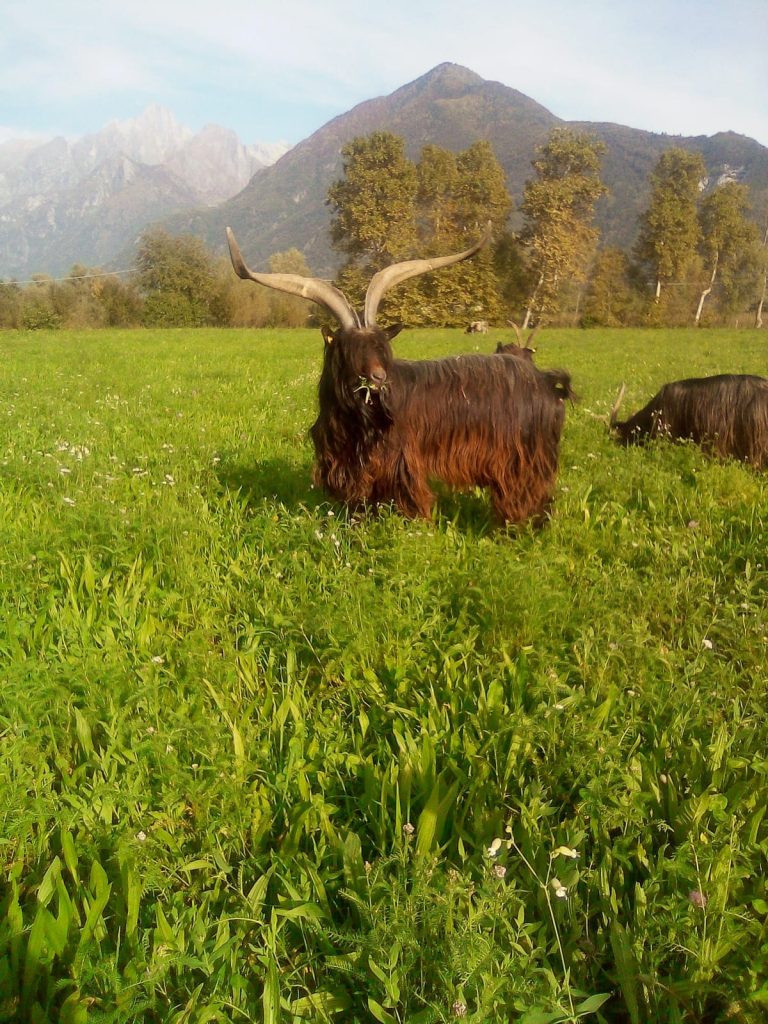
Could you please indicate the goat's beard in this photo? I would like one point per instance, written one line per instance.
(368, 388)
(345, 438)
(363, 405)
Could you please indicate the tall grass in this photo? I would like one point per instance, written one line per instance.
(265, 760)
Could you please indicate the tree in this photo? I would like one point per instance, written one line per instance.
(762, 257)
(119, 302)
(558, 206)
(37, 311)
(436, 196)
(457, 195)
(482, 196)
(610, 299)
(373, 204)
(11, 302)
(373, 213)
(288, 310)
(512, 271)
(386, 209)
(728, 241)
(669, 228)
(178, 280)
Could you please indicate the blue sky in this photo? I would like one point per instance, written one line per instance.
(279, 70)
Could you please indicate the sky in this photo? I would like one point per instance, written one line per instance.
(277, 70)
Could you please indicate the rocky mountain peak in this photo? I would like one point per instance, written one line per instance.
(132, 172)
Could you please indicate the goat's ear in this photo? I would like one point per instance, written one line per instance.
(328, 335)
(393, 331)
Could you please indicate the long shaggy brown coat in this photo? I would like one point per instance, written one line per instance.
(726, 414)
(475, 420)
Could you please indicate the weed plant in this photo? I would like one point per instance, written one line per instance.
(265, 760)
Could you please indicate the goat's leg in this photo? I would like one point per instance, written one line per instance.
(514, 502)
(410, 490)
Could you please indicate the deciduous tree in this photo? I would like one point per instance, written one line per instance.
(386, 209)
(178, 280)
(558, 206)
(458, 195)
(728, 242)
(288, 310)
(610, 299)
(373, 204)
(669, 228)
(436, 197)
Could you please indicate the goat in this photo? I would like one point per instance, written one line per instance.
(521, 349)
(387, 426)
(726, 415)
(477, 327)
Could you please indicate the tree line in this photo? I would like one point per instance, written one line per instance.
(177, 282)
(700, 257)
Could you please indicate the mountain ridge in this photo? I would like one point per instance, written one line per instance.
(282, 203)
(86, 200)
(283, 206)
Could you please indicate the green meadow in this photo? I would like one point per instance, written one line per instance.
(265, 760)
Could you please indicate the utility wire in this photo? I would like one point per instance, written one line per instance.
(76, 277)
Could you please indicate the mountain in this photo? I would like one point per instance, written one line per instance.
(283, 206)
(86, 201)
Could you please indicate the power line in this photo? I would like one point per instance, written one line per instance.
(75, 277)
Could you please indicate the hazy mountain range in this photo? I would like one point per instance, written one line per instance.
(85, 201)
(88, 201)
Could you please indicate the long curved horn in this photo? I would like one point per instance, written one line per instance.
(532, 335)
(613, 417)
(312, 288)
(399, 272)
(518, 332)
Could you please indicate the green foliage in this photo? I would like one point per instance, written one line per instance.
(436, 200)
(372, 205)
(458, 194)
(610, 298)
(729, 243)
(85, 298)
(10, 305)
(288, 310)
(38, 314)
(264, 760)
(388, 209)
(669, 228)
(558, 206)
(178, 280)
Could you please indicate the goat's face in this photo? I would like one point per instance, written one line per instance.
(625, 432)
(519, 351)
(358, 362)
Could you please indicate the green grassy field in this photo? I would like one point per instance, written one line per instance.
(261, 760)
